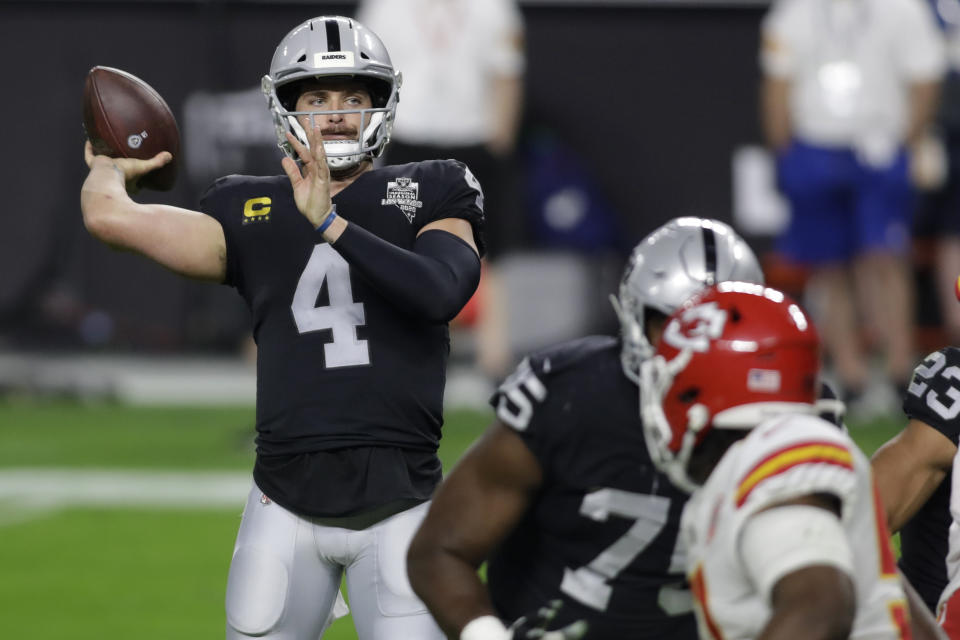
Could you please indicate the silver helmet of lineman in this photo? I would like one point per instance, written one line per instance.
(670, 265)
(330, 47)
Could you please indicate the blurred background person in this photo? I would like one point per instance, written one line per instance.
(463, 63)
(849, 91)
(937, 225)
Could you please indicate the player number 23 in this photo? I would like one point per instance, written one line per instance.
(930, 367)
(342, 315)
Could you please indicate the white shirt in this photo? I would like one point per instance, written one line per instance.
(851, 64)
(448, 51)
(783, 459)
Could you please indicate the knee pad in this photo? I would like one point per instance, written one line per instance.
(256, 591)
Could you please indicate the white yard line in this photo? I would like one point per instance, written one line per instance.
(27, 494)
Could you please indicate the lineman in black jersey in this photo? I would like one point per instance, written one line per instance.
(560, 495)
(914, 470)
(350, 320)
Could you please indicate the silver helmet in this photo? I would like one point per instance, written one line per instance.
(333, 47)
(670, 265)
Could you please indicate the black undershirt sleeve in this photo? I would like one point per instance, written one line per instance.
(433, 282)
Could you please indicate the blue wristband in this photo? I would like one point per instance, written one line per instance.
(330, 218)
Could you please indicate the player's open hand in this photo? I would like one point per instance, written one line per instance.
(129, 169)
(311, 183)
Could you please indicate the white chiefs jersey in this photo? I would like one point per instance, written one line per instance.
(785, 458)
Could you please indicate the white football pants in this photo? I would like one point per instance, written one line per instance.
(285, 577)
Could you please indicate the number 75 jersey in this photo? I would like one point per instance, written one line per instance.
(338, 363)
(601, 533)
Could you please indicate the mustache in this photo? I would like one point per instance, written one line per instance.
(339, 130)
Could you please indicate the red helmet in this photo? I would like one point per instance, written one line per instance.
(730, 357)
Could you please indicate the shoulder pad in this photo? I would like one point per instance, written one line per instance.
(228, 184)
(792, 456)
(933, 395)
(553, 360)
(527, 386)
(442, 169)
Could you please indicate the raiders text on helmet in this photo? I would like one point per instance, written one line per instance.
(333, 47)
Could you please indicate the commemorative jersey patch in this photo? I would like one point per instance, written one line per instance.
(405, 194)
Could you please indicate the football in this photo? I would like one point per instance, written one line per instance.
(125, 118)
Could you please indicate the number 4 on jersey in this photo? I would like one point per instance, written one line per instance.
(342, 315)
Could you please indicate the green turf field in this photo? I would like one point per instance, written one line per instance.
(72, 569)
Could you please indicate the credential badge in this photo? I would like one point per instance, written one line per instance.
(405, 194)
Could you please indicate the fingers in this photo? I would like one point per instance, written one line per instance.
(312, 159)
(158, 160)
(292, 170)
(320, 153)
(134, 167)
(130, 166)
(302, 152)
(316, 142)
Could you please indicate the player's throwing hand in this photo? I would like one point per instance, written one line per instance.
(131, 169)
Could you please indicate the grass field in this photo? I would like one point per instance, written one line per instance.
(83, 558)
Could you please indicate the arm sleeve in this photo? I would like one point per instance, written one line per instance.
(432, 282)
(463, 198)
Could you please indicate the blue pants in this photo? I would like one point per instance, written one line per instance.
(842, 208)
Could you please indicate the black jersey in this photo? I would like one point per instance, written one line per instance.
(338, 364)
(933, 397)
(602, 532)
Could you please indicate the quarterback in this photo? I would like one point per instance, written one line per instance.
(560, 495)
(351, 274)
(785, 534)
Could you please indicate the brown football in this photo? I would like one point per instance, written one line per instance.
(125, 118)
